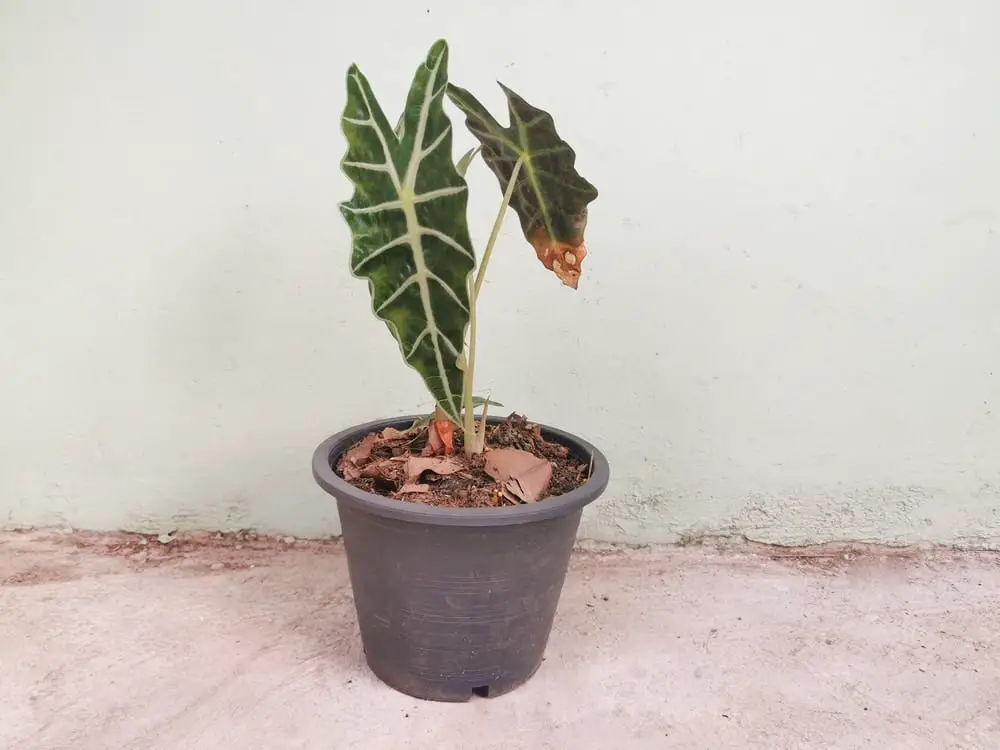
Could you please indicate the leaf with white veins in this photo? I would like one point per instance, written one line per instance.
(550, 197)
(408, 223)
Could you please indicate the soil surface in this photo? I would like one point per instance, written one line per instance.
(518, 466)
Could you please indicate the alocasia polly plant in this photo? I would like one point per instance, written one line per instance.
(408, 220)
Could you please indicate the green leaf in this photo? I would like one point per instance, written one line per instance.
(466, 161)
(550, 197)
(421, 422)
(408, 222)
(478, 401)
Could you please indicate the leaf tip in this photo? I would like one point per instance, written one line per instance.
(562, 258)
(513, 98)
(438, 51)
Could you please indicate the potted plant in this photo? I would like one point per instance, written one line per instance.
(458, 530)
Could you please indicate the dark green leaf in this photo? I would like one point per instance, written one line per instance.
(550, 197)
(408, 221)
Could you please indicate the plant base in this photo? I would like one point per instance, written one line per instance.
(455, 602)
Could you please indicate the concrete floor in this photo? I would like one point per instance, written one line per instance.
(236, 642)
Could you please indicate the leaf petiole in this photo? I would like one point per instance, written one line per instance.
(468, 375)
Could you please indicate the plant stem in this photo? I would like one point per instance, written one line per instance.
(469, 417)
(488, 252)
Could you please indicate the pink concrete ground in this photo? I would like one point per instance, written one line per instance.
(111, 642)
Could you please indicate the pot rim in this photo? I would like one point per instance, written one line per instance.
(330, 449)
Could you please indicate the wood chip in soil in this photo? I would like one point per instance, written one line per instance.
(390, 464)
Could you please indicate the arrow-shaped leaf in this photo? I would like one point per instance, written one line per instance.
(550, 197)
(408, 221)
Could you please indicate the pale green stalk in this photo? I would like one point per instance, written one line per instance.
(472, 444)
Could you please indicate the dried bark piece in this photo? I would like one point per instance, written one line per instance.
(381, 469)
(391, 434)
(413, 489)
(522, 474)
(356, 456)
(417, 465)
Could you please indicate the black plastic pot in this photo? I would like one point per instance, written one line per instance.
(455, 602)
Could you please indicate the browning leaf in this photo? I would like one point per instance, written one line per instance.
(440, 438)
(550, 197)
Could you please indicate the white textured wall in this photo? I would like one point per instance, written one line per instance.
(789, 324)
